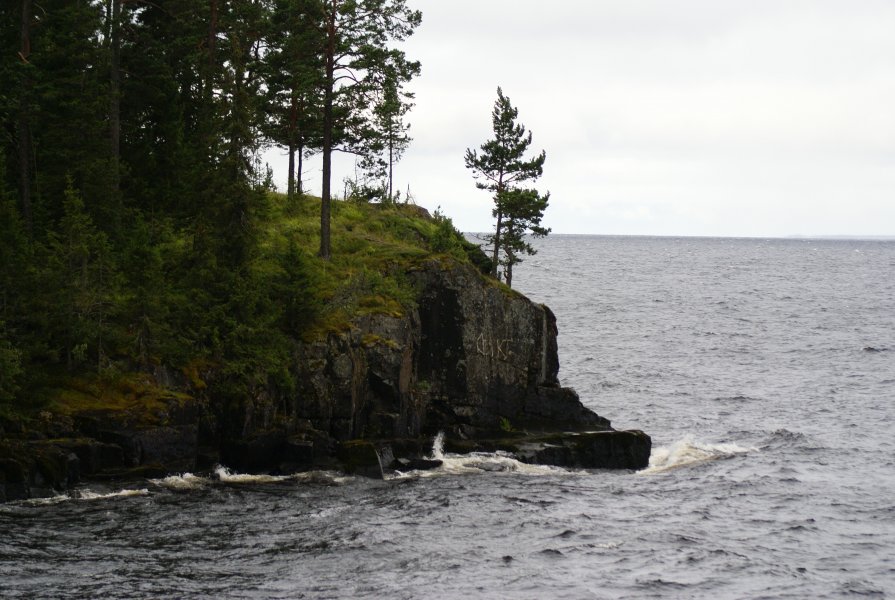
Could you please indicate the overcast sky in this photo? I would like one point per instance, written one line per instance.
(665, 117)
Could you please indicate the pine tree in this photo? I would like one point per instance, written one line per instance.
(294, 80)
(357, 34)
(501, 166)
(385, 134)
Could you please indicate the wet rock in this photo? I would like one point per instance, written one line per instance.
(35, 469)
(417, 464)
(174, 447)
(93, 456)
(259, 452)
(589, 450)
(359, 457)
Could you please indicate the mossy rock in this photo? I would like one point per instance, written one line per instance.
(359, 457)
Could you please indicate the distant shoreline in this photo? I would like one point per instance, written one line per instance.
(820, 238)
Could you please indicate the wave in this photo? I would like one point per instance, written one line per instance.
(478, 463)
(225, 475)
(183, 482)
(687, 451)
(474, 463)
(85, 495)
(221, 474)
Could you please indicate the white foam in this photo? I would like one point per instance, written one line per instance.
(186, 481)
(477, 463)
(85, 495)
(686, 452)
(438, 446)
(47, 501)
(88, 495)
(227, 476)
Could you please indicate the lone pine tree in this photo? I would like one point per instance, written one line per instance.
(500, 167)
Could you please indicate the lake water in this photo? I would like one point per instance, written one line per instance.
(763, 369)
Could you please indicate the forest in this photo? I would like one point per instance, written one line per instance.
(138, 226)
(139, 229)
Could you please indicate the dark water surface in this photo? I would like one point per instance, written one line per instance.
(763, 369)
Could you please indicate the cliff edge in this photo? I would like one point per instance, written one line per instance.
(462, 354)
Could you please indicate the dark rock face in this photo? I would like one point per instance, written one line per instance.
(474, 360)
(490, 357)
(35, 469)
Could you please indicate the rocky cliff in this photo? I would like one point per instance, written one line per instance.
(473, 359)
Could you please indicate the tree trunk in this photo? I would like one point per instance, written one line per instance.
(391, 167)
(325, 195)
(212, 31)
(495, 258)
(293, 118)
(299, 171)
(508, 273)
(115, 102)
(496, 255)
(24, 124)
(290, 194)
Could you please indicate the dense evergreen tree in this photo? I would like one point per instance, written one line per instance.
(130, 197)
(500, 166)
(79, 285)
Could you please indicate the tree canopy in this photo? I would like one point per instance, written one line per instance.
(500, 166)
(358, 62)
(131, 189)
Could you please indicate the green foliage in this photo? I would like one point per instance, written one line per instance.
(360, 72)
(10, 367)
(501, 167)
(523, 210)
(136, 227)
(293, 68)
(81, 283)
(446, 238)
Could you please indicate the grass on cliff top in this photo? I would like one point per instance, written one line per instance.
(374, 246)
(146, 402)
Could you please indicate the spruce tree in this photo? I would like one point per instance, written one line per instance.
(501, 165)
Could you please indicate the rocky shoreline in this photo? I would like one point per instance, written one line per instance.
(474, 360)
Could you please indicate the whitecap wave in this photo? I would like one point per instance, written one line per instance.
(225, 475)
(221, 474)
(687, 451)
(85, 495)
(88, 495)
(477, 463)
(46, 501)
(183, 482)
